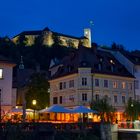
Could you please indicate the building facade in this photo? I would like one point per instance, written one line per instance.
(88, 75)
(131, 61)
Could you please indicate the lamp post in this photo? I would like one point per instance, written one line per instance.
(34, 104)
(132, 107)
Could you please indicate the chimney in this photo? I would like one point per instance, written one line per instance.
(94, 47)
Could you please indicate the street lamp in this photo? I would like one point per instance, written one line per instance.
(34, 104)
(132, 107)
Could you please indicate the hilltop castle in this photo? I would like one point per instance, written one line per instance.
(49, 38)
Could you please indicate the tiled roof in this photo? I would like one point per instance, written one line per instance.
(134, 56)
(6, 60)
(39, 32)
(69, 36)
(29, 33)
(100, 62)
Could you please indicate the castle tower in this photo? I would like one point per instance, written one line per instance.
(87, 34)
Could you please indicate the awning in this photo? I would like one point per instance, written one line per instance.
(83, 109)
(20, 110)
(55, 109)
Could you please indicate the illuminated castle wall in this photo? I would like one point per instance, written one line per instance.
(49, 37)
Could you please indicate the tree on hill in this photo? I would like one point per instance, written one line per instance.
(38, 89)
(22, 41)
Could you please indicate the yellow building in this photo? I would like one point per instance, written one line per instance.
(49, 37)
(89, 74)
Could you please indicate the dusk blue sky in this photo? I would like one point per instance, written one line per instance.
(114, 20)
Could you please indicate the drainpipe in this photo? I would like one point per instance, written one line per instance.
(134, 83)
(92, 87)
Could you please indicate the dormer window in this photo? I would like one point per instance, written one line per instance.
(100, 66)
(101, 59)
(112, 62)
(84, 63)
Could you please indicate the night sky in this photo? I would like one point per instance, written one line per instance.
(114, 20)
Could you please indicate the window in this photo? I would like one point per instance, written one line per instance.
(115, 99)
(97, 82)
(100, 59)
(130, 86)
(106, 96)
(1, 98)
(84, 97)
(97, 97)
(123, 85)
(136, 84)
(112, 62)
(123, 99)
(1, 73)
(130, 98)
(112, 68)
(71, 83)
(62, 85)
(100, 66)
(60, 99)
(84, 81)
(54, 100)
(115, 84)
(71, 98)
(106, 83)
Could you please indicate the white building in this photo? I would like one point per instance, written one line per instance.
(131, 61)
(87, 75)
(6, 93)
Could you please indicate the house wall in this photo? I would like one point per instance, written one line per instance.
(132, 68)
(90, 89)
(124, 61)
(137, 81)
(6, 86)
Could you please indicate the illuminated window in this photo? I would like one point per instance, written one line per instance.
(123, 85)
(115, 84)
(111, 61)
(1, 73)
